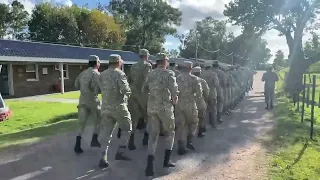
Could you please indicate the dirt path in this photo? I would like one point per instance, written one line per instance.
(232, 152)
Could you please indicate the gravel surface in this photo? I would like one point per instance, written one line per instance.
(233, 151)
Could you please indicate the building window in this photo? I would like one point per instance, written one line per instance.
(32, 72)
(65, 71)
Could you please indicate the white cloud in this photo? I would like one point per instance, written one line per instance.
(194, 10)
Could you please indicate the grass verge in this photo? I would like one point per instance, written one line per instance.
(31, 121)
(294, 156)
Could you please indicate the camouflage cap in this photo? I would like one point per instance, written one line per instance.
(161, 56)
(215, 62)
(187, 64)
(208, 64)
(94, 58)
(114, 58)
(144, 52)
(196, 69)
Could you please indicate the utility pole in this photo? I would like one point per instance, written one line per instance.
(232, 59)
(196, 47)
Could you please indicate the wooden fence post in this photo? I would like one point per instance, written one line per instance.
(314, 78)
(303, 97)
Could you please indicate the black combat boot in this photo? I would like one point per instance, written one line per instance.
(219, 118)
(94, 141)
(149, 168)
(181, 149)
(103, 162)
(141, 124)
(119, 133)
(120, 155)
(166, 162)
(145, 139)
(77, 147)
(189, 143)
(131, 145)
(201, 133)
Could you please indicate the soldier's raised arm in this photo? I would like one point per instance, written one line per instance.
(173, 87)
(124, 85)
(77, 81)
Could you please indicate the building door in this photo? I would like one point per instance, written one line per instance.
(4, 80)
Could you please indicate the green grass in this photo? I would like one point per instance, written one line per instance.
(294, 155)
(68, 95)
(32, 121)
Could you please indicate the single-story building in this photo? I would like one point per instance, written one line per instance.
(34, 68)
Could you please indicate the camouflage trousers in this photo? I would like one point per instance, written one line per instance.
(269, 96)
(138, 109)
(186, 120)
(202, 114)
(116, 117)
(220, 99)
(162, 117)
(86, 113)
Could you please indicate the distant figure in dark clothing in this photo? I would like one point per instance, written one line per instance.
(270, 78)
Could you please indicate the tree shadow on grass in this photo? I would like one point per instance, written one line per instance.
(63, 117)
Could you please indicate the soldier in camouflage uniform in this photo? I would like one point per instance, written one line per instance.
(186, 111)
(269, 78)
(89, 103)
(213, 82)
(138, 100)
(202, 103)
(163, 95)
(220, 90)
(115, 92)
(172, 67)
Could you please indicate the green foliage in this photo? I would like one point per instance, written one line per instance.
(279, 60)
(13, 20)
(146, 22)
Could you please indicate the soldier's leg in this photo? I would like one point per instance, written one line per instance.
(272, 99)
(123, 118)
(192, 123)
(220, 107)
(266, 98)
(108, 122)
(83, 113)
(95, 116)
(135, 115)
(180, 130)
(168, 124)
(154, 126)
(201, 125)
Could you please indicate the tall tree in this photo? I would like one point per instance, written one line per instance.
(291, 18)
(17, 20)
(279, 60)
(209, 34)
(4, 12)
(146, 22)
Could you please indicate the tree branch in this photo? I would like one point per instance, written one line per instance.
(313, 59)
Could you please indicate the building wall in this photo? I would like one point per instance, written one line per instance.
(46, 81)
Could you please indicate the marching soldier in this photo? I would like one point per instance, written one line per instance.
(89, 103)
(186, 111)
(163, 95)
(270, 78)
(173, 67)
(115, 92)
(138, 100)
(202, 103)
(213, 82)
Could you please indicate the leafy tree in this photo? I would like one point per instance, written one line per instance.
(209, 34)
(173, 53)
(146, 22)
(4, 12)
(290, 17)
(279, 60)
(17, 20)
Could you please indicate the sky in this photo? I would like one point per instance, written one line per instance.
(192, 10)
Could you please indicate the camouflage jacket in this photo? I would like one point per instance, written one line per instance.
(190, 90)
(222, 77)
(89, 90)
(114, 87)
(161, 86)
(138, 74)
(212, 81)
